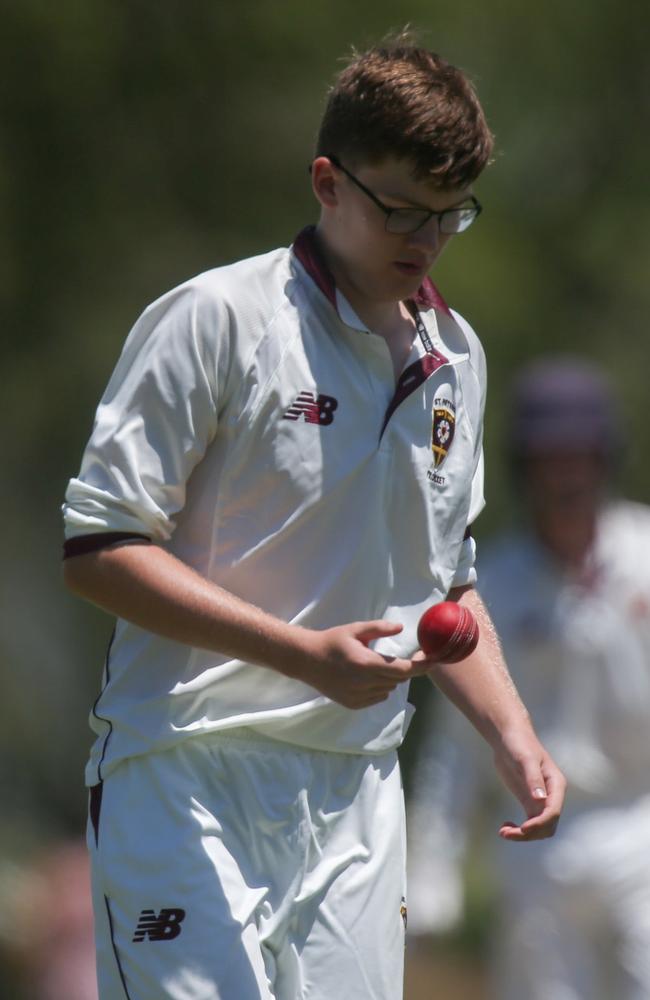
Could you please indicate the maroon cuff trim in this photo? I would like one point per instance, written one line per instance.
(82, 544)
(468, 532)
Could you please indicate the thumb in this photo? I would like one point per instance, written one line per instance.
(366, 632)
(536, 793)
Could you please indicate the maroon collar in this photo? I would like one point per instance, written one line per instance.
(306, 249)
(428, 297)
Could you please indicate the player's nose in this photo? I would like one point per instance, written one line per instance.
(427, 237)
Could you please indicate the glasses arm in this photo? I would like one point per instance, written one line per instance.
(362, 187)
(387, 210)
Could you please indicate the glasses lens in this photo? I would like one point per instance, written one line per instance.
(453, 221)
(406, 220)
(457, 220)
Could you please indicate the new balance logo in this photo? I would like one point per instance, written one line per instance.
(315, 409)
(164, 927)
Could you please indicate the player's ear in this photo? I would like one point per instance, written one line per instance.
(324, 181)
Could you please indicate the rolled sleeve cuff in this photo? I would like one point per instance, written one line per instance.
(465, 574)
(88, 510)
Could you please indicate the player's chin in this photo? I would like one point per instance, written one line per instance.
(406, 282)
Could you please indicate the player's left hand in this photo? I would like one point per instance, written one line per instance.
(534, 778)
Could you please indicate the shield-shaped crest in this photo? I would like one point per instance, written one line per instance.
(444, 423)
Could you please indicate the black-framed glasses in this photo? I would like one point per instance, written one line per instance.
(408, 220)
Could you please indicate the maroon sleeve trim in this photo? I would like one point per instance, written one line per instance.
(468, 532)
(82, 544)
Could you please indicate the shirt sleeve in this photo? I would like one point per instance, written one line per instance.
(154, 422)
(466, 574)
(466, 568)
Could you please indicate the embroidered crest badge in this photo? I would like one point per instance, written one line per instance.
(442, 434)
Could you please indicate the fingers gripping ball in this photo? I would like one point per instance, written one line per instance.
(448, 632)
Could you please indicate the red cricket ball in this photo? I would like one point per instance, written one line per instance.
(448, 632)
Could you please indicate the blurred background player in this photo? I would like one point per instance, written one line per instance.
(569, 593)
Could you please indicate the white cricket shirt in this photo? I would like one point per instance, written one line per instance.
(253, 427)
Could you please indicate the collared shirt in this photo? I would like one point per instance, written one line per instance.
(254, 428)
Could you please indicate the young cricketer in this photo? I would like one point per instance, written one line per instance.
(282, 476)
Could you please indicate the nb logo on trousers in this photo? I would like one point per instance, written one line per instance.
(164, 927)
(314, 409)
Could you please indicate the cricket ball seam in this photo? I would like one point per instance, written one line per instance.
(462, 641)
(459, 638)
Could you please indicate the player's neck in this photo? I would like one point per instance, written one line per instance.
(390, 319)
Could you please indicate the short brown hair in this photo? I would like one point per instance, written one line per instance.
(403, 101)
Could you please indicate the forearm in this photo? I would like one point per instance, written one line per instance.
(146, 585)
(481, 686)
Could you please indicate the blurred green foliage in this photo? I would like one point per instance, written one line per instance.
(145, 141)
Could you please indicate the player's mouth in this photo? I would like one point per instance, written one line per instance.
(412, 269)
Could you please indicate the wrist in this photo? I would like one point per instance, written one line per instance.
(290, 651)
(512, 734)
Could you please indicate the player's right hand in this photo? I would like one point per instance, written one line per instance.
(341, 665)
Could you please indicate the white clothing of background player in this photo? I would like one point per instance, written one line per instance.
(260, 506)
(570, 593)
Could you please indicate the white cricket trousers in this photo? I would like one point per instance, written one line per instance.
(236, 868)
